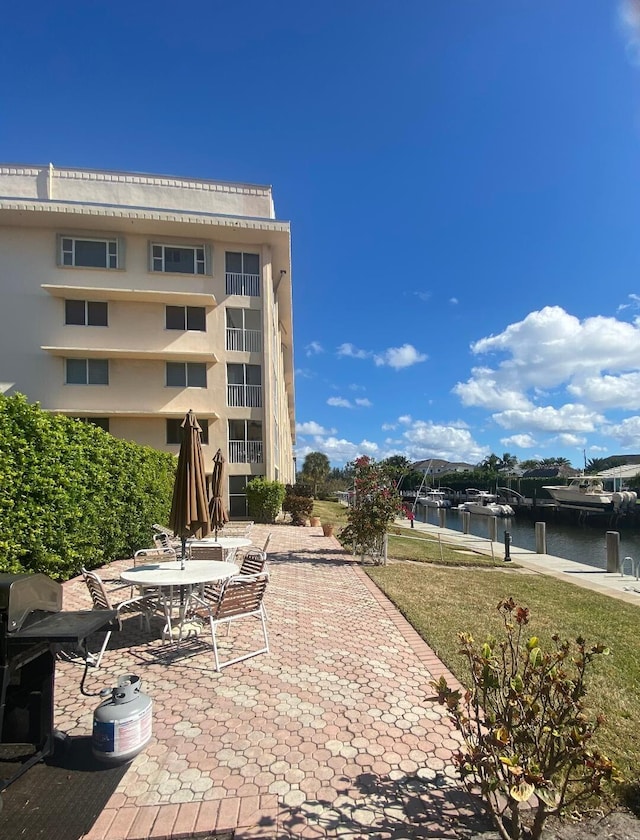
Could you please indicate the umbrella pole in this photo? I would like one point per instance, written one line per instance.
(183, 553)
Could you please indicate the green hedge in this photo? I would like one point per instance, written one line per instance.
(73, 495)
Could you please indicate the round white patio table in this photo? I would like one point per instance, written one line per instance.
(174, 581)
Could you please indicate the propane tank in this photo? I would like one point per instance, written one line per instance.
(122, 722)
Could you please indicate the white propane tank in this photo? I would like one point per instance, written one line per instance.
(122, 722)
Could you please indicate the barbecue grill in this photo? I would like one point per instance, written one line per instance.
(32, 626)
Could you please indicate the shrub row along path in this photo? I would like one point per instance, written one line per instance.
(332, 734)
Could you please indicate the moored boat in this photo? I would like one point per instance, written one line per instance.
(587, 492)
(434, 498)
(484, 504)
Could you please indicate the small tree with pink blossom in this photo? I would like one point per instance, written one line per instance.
(376, 503)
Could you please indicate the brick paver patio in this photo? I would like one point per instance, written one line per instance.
(329, 735)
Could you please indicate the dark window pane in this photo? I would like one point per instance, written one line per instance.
(97, 313)
(196, 319)
(76, 371)
(235, 374)
(236, 429)
(91, 254)
(251, 264)
(100, 422)
(252, 319)
(234, 262)
(176, 374)
(237, 483)
(74, 312)
(237, 506)
(179, 260)
(234, 318)
(196, 375)
(173, 431)
(98, 371)
(254, 430)
(204, 425)
(254, 375)
(175, 317)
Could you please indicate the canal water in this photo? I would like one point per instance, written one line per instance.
(582, 543)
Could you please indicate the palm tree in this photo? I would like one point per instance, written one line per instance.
(315, 469)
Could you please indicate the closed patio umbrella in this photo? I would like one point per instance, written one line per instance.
(217, 511)
(190, 505)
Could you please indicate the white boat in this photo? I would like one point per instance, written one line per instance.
(485, 504)
(587, 492)
(434, 499)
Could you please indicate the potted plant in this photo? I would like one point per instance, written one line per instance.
(327, 529)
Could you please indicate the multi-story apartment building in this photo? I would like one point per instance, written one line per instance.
(128, 299)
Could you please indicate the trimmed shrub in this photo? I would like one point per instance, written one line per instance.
(72, 494)
(264, 499)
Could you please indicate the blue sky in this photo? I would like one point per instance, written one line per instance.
(462, 181)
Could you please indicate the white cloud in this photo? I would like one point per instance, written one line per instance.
(521, 441)
(364, 402)
(609, 391)
(449, 442)
(405, 419)
(303, 373)
(388, 427)
(400, 357)
(313, 348)
(627, 433)
(484, 391)
(312, 428)
(454, 301)
(339, 402)
(629, 18)
(423, 296)
(352, 352)
(566, 439)
(635, 303)
(567, 418)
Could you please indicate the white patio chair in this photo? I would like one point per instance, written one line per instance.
(240, 598)
(144, 605)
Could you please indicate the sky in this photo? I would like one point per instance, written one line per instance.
(462, 181)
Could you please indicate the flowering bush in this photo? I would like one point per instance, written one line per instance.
(376, 504)
(525, 725)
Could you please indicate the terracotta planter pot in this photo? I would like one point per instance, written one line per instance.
(315, 521)
(327, 530)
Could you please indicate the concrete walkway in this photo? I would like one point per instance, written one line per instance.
(625, 587)
(331, 734)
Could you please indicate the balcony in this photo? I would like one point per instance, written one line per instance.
(247, 341)
(247, 396)
(245, 452)
(242, 284)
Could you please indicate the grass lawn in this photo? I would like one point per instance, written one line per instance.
(442, 596)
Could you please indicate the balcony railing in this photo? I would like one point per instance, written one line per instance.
(249, 396)
(249, 341)
(245, 452)
(242, 284)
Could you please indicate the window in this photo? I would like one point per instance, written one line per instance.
(245, 442)
(242, 274)
(174, 430)
(244, 385)
(87, 371)
(186, 375)
(238, 495)
(89, 253)
(178, 259)
(100, 422)
(86, 313)
(186, 318)
(244, 331)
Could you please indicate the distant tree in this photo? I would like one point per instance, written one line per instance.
(530, 464)
(398, 466)
(507, 462)
(596, 464)
(555, 462)
(490, 464)
(315, 469)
